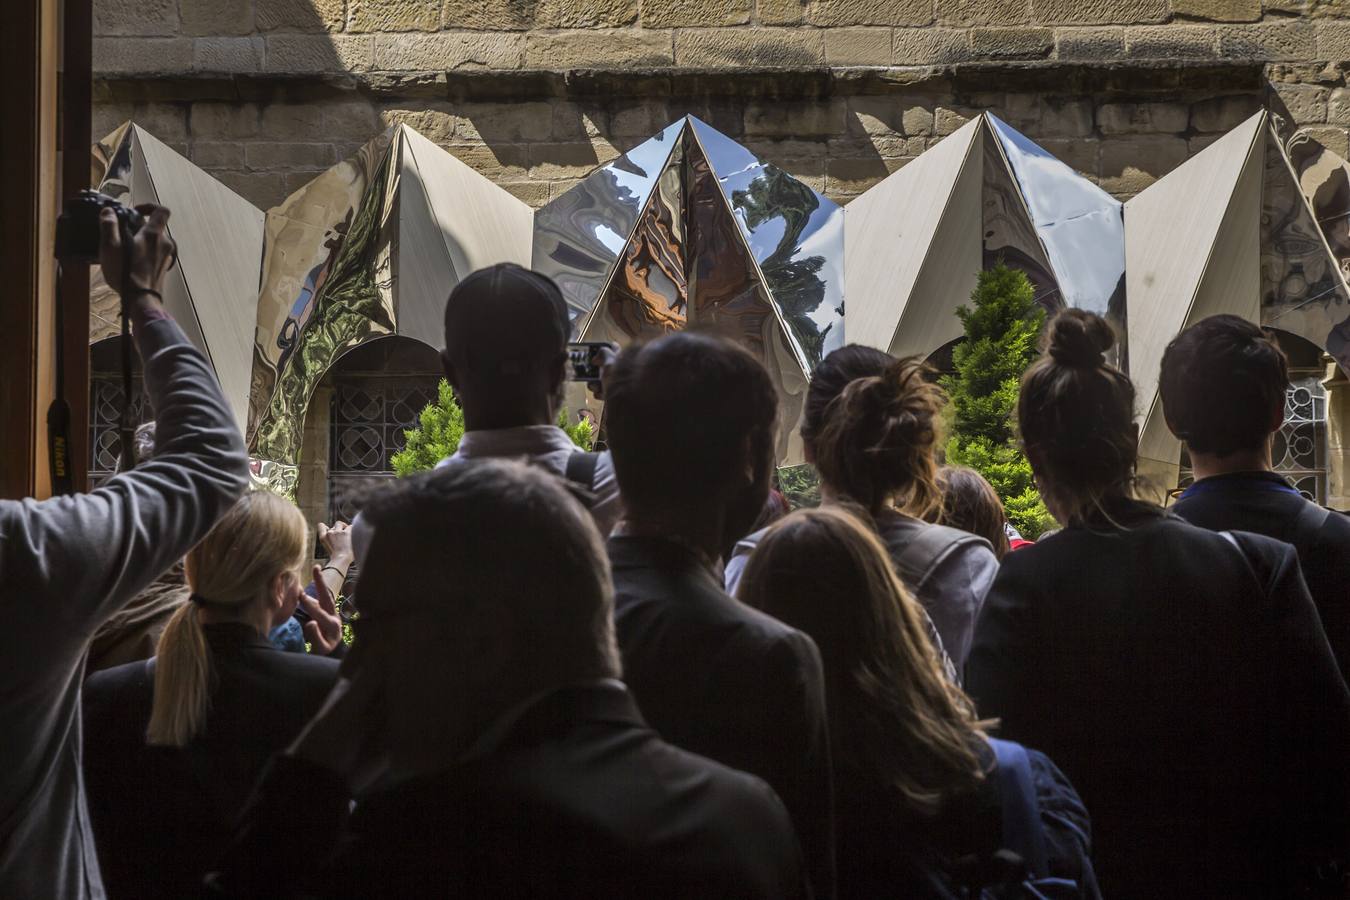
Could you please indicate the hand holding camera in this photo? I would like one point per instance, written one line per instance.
(132, 245)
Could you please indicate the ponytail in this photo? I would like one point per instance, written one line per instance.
(262, 536)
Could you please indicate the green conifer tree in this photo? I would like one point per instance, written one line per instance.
(1001, 326)
(441, 426)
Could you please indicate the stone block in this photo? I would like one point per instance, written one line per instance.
(288, 155)
(1012, 43)
(693, 13)
(585, 13)
(877, 116)
(535, 193)
(1089, 43)
(1307, 103)
(496, 162)
(488, 15)
(433, 121)
(1171, 42)
(166, 121)
(948, 121)
(1333, 137)
(217, 154)
(1273, 41)
(821, 118)
(448, 51)
(640, 120)
(214, 18)
(136, 17)
(215, 121)
(780, 12)
(263, 189)
(1069, 118)
(227, 54)
(627, 48)
(299, 15)
(931, 46)
(1130, 164)
(105, 118)
(355, 119)
(1224, 113)
(1218, 10)
(1201, 141)
(897, 148)
(1020, 110)
(1137, 118)
(758, 48)
(1333, 40)
(393, 15)
(578, 121)
(291, 122)
(304, 53)
(858, 47)
(557, 188)
(870, 12)
(984, 12)
(495, 123)
(1099, 12)
(853, 176)
(1338, 107)
(549, 161)
(141, 56)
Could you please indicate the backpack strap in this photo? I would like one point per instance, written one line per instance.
(581, 468)
(1022, 829)
(924, 550)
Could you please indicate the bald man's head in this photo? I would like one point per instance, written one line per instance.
(506, 334)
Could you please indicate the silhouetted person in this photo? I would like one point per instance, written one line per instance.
(1223, 387)
(482, 726)
(691, 427)
(506, 334)
(920, 787)
(1179, 677)
(68, 563)
(174, 744)
(870, 428)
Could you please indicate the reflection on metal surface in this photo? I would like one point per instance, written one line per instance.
(691, 228)
(279, 478)
(1009, 234)
(371, 247)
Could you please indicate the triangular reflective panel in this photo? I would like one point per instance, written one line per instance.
(370, 248)
(693, 228)
(213, 288)
(1009, 234)
(579, 236)
(1305, 244)
(1191, 251)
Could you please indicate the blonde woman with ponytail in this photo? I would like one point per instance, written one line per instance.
(917, 779)
(870, 426)
(174, 744)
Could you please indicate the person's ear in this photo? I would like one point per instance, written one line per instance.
(278, 589)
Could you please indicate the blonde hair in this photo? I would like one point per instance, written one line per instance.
(894, 715)
(262, 536)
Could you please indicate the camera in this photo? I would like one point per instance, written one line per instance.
(77, 229)
(585, 358)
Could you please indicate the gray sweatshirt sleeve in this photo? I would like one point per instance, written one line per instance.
(69, 562)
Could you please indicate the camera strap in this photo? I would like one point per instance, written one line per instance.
(126, 428)
(58, 413)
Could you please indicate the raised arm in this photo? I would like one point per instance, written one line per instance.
(68, 562)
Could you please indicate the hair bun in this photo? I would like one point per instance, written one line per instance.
(1079, 339)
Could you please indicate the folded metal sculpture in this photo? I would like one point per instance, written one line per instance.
(692, 228)
(1229, 231)
(370, 248)
(212, 291)
(917, 241)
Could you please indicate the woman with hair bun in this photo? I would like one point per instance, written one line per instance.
(174, 744)
(1180, 677)
(870, 426)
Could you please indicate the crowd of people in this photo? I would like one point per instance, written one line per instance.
(629, 673)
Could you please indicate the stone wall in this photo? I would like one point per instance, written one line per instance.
(535, 93)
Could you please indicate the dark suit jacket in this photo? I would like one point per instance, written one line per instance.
(578, 798)
(723, 680)
(1185, 687)
(1246, 502)
(161, 815)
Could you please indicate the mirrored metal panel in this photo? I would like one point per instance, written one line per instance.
(1009, 234)
(579, 236)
